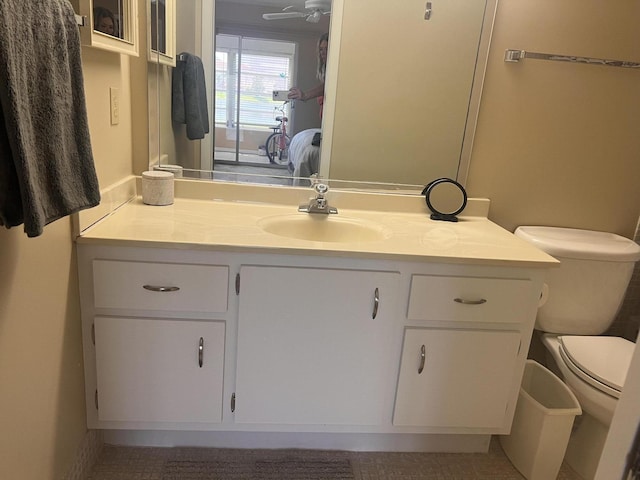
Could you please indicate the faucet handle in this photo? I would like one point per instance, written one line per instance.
(320, 188)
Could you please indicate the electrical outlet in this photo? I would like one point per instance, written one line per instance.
(114, 96)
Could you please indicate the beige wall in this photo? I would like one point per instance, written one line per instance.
(42, 412)
(557, 143)
(112, 144)
(403, 124)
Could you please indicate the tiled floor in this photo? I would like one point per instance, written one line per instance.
(149, 463)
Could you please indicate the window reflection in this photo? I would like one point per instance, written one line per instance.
(108, 17)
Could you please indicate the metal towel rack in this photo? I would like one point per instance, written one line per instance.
(514, 56)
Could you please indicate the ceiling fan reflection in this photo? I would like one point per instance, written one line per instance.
(314, 10)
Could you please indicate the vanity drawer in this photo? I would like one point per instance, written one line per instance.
(465, 299)
(168, 287)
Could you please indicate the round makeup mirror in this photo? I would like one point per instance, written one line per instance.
(446, 198)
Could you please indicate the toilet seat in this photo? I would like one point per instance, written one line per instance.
(601, 361)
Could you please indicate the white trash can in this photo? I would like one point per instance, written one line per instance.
(541, 425)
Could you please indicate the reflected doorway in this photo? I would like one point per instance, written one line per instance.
(248, 71)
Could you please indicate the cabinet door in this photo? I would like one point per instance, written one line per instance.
(466, 378)
(309, 349)
(149, 370)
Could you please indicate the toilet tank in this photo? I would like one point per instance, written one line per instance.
(584, 294)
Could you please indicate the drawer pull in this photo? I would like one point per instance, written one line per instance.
(376, 302)
(200, 351)
(158, 288)
(470, 302)
(423, 354)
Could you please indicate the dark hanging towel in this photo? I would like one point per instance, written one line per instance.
(46, 162)
(632, 468)
(189, 96)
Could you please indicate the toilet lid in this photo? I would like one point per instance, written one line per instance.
(601, 361)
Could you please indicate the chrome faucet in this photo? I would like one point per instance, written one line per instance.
(318, 204)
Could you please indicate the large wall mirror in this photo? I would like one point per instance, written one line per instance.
(400, 98)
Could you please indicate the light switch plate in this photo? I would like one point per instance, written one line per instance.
(114, 97)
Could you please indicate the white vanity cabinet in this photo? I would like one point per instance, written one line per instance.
(301, 343)
(154, 338)
(462, 351)
(316, 346)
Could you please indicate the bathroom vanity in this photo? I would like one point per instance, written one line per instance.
(197, 318)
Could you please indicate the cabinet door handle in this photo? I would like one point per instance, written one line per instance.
(200, 351)
(464, 301)
(376, 302)
(159, 288)
(423, 355)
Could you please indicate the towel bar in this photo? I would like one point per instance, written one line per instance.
(514, 56)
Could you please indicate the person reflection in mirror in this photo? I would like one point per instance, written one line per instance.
(104, 21)
(297, 93)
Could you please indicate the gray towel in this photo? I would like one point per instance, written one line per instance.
(46, 163)
(189, 96)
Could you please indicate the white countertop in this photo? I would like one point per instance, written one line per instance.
(232, 226)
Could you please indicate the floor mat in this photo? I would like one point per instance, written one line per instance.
(258, 470)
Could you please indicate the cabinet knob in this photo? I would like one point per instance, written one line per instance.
(423, 355)
(200, 352)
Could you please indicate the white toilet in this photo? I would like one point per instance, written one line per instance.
(580, 301)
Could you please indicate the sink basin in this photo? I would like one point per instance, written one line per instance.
(324, 228)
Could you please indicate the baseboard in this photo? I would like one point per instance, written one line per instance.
(314, 441)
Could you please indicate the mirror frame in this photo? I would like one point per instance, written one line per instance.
(484, 46)
(169, 56)
(91, 38)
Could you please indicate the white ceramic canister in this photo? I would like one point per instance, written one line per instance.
(157, 187)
